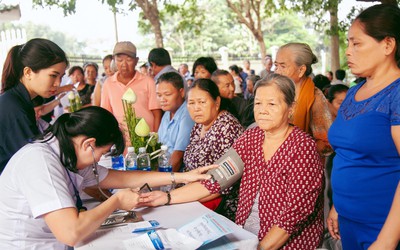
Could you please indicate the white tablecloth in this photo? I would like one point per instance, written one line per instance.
(173, 216)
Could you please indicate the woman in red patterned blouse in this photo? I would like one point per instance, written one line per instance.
(281, 190)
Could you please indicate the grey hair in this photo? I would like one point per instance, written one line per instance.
(284, 84)
(303, 55)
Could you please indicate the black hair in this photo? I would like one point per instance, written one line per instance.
(381, 21)
(321, 81)
(107, 57)
(335, 89)
(36, 54)
(340, 74)
(75, 68)
(234, 68)
(207, 62)
(92, 122)
(211, 87)
(172, 77)
(159, 56)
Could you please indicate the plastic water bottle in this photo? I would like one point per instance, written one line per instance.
(130, 159)
(164, 165)
(118, 162)
(143, 160)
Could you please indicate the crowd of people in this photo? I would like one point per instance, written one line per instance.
(289, 128)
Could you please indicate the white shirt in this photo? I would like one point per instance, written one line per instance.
(34, 183)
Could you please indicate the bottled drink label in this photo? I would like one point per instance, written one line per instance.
(130, 159)
(130, 165)
(117, 162)
(143, 160)
(165, 168)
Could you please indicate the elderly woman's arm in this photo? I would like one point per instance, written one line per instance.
(321, 120)
(191, 192)
(304, 191)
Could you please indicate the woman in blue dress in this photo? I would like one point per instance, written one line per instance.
(366, 136)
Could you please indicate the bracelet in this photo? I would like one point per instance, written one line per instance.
(173, 179)
(169, 199)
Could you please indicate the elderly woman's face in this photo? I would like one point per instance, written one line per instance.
(285, 65)
(202, 107)
(270, 109)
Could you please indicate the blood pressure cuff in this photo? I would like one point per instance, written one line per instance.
(229, 171)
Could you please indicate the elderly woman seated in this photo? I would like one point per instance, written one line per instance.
(214, 132)
(281, 189)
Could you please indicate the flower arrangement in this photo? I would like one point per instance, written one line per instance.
(138, 129)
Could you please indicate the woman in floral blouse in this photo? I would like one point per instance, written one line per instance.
(214, 132)
(281, 189)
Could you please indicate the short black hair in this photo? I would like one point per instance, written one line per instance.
(340, 74)
(321, 81)
(75, 68)
(334, 89)
(159, 56)
(234, 68)
(207, 62)
(172, 77)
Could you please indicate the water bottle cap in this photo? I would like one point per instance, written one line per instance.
(142, 150)
(131, 149)
(164, 147)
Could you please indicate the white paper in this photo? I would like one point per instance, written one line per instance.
(206, 228)
(170, 238)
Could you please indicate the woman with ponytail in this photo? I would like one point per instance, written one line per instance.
(31, 70)
(40, 185)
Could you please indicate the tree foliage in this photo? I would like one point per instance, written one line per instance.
(69, 44)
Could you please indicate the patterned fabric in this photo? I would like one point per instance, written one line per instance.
(313, 116)
(205, 151)
(218, 139)
(290, 186)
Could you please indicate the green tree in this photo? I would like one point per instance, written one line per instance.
(151, 14)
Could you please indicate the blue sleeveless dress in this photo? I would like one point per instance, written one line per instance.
(366, 168)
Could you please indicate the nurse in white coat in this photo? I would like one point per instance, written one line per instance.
(39, 202)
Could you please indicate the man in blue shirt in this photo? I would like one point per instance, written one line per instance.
(176, 123)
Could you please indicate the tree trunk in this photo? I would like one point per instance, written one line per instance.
(261, 44)
(150, 11)
(334, 32)
(244, 14)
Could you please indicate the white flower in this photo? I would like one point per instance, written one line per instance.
(142, 128)
(71, 95)
(129, 96)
